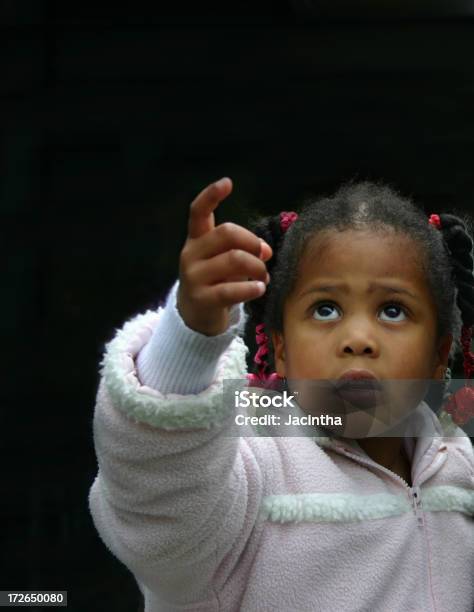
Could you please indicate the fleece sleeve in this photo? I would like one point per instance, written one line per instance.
(177, 492)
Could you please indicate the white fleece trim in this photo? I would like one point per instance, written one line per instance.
(171, 411)
(332, 507)
(448, 499)
(348, 507)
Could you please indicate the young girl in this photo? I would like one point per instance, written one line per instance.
(361, 285)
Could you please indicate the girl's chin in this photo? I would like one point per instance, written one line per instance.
(368, 423)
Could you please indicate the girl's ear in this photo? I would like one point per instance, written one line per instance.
(278, 343)
(442, 357)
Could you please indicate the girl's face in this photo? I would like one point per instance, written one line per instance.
(361, 301)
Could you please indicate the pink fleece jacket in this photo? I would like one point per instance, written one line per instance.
(210, 522)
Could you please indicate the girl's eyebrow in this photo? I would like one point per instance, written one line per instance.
(343, 287)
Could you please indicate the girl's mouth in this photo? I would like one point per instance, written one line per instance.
(359, 393)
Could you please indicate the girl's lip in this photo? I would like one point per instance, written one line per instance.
(361, 398)
(362, 380)
(358, 388)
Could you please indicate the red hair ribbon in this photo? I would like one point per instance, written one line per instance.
(259, 359)
(435, 220)
(286, 219)
(461, 404)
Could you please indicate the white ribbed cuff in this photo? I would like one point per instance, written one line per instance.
(180, 360)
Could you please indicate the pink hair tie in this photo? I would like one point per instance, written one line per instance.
(286, 219)
(435, 220)
(262, 341)
(270, 381)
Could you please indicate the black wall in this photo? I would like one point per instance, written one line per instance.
(112, 121)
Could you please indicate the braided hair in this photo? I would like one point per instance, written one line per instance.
(446, 247)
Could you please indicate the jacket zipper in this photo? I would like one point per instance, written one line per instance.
(415, 498)
(413, 492)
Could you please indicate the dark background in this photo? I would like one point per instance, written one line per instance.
(113, 119)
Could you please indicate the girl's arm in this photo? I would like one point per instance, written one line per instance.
(171, 497)
(176, 496)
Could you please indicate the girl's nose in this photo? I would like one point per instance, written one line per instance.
(360, 344)
(366, 350)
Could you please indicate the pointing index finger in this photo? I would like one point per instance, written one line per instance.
(201, 214)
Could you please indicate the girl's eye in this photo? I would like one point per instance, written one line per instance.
(324, 310)
(393, 309)
(329, 312)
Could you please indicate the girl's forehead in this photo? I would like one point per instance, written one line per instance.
(363, 252)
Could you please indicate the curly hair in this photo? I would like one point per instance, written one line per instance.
(446, 255)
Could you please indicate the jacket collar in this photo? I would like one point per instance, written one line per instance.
(423, 442)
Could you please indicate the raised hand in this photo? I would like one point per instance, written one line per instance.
(219, 266)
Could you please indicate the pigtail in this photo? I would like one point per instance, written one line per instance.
(272, 229)
(460, 246)
(269, 229)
